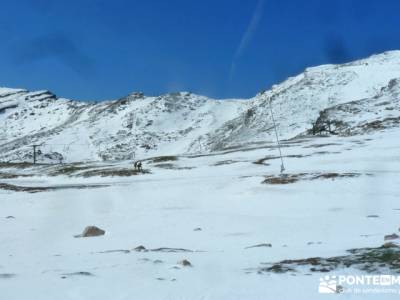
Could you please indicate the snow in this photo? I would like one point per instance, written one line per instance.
(222, 152)
(230, 205)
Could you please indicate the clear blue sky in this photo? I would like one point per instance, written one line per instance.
(104, 49)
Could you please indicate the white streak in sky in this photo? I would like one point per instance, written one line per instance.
(248, 35)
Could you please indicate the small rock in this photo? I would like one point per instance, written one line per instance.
(140, 248)
(339, 289)
(391, 237)
(145, 259)
(268, 245)
(185, 263)
(90, 231)
(10, 217)
(158, 261)
(80, 273)
(372, 216)
(197, 229)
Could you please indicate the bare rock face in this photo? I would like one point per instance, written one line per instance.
(90, 231)
(185, 263)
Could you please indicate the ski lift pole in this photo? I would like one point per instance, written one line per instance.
(276, 135)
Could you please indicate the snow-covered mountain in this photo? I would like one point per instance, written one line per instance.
(349, 95)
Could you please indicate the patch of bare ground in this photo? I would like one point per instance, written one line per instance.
(292, 178)
(371, 260)
(70, 169)
(170, 166)
(19, 165)
(163, 159)
(321, 145)
(37, 189)
(13, 175)
(225, 162)
(262, 161)
(113, 172)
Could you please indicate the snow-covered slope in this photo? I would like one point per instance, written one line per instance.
(297, 102)
(184, 122)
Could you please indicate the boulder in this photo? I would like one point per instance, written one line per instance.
(90, 231)
(185, 263)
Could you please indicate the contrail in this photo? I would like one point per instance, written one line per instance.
(248, 35)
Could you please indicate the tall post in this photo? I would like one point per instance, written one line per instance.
(276, 135)
(34, 153)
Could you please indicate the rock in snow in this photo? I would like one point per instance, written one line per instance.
(90, 231)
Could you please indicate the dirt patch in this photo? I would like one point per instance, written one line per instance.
(113, 172)
(321, 145)
(18, 165)
(13, 176)
(281, 180)
(262, 161)
(265, 245)
(292, 178)
(80, 273)
(70, 169)
(32, 189)
(163, 159)
(371, 260)
(169, 166)
(142, 248)
(225, 162)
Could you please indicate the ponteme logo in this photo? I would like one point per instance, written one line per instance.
(359, 284)
(327, 285)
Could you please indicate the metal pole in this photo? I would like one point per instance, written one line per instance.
(34, 153)
(276, 135)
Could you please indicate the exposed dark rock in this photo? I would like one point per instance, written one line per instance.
(91, 231)
(371, 260)
(185, 263)
(140, 248)
(80, 273)
(292, 178)
(170, 250)
(267, 245)
(158, 261)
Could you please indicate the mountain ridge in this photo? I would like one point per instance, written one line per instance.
(136, 126)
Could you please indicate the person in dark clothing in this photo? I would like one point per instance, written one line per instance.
(139, 166)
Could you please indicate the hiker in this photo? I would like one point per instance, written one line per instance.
(135, 165)
(139, 166)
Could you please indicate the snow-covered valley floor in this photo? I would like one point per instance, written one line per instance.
(214, 205)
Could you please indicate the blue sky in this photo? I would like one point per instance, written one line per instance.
(103, 49)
